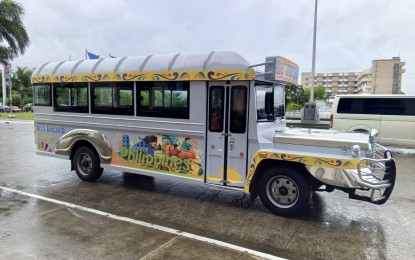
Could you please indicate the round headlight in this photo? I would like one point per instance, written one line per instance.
(355, 150)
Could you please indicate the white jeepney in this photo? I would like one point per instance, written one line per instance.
(199, 117)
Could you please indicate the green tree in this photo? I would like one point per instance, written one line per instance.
(293, 93)
(13, 36)
(319, 94)
(22, 85)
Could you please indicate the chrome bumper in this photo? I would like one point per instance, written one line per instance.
(377, 174)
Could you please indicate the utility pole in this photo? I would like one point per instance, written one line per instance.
(3, 82)
(313, 70)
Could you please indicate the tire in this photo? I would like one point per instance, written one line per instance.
(86, 164)
(285, 191)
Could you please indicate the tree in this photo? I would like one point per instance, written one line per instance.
(293, 93)
(319, 93)
(21, 84)
(13, 36)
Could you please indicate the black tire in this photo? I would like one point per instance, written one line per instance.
(285, 191)
(86, 164)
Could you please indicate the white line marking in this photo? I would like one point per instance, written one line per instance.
(146, 224)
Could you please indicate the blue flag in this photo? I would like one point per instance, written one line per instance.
(92, 56)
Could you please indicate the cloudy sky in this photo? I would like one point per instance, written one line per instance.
(350, 33)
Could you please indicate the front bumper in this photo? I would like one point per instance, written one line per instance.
(372, 181)
(377, 175)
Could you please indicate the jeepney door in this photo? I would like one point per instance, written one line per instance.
(227, 133)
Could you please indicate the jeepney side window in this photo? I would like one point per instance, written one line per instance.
(42, 95)
(163, 99)
(71, 97)
(112, 98)
(238, 109)
(216, 109)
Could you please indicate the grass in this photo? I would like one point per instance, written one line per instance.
(18, 116)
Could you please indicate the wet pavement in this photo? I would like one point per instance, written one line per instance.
(334, 227)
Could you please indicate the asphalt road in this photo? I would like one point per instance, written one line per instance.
(35, 228)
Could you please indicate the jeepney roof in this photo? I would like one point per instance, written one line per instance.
(215, 65)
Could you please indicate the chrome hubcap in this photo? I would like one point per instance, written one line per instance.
(84, 164)
(282, 191)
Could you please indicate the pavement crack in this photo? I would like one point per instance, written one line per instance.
(296, 231)
(160, 248)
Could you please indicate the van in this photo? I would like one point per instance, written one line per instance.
(392, 115)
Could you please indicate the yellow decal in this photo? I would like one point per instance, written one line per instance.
(306, 160)
(204, 75)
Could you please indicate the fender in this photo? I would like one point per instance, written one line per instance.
(98, 140)
(307, 160)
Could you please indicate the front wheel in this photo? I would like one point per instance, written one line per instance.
(86, 164)
(285, 191)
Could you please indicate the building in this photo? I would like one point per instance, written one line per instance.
(384, 77)
(336, 83)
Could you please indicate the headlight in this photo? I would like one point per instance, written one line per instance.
(355, 151)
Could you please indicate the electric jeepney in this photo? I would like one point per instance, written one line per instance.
(200, 117)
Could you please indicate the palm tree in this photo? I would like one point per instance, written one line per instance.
(21, 83)
(13, 35)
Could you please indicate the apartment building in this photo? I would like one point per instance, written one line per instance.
(384, 77)
(336, 83)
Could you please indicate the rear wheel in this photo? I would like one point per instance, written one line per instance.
(86, 164)
(285, 191)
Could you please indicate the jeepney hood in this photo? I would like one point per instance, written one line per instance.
(324, 138)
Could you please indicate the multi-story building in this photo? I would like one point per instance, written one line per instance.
(384, 77)
(335, 83)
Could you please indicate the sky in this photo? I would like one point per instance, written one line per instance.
(350, 34)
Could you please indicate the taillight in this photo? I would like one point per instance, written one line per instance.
(331, 121)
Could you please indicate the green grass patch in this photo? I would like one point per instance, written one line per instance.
(18, 116)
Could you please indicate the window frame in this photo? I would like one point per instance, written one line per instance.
(222, 110)
(71, 107)
(112, 110)
(162, 111)
(49, 104)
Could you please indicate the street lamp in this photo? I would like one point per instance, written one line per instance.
(314, 53)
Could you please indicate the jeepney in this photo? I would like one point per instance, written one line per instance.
(205, 118)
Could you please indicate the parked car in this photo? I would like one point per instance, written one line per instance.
(1, 109)
(392, 115)
(16, 109)
(6, 109)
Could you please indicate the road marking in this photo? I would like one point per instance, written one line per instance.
(146, 224)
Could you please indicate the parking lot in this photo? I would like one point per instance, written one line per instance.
(47, 212)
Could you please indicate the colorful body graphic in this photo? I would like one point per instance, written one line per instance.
(161, 153)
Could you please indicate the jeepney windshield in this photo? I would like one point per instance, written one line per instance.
(270, 102)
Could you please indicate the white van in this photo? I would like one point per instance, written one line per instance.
(392, 115)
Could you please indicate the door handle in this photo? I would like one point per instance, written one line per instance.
(231, 144)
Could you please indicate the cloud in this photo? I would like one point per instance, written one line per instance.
(350, 34)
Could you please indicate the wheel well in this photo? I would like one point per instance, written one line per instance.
(268, 163)
(78, 144)
(359, 130)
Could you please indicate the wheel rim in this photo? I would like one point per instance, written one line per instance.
(84, 164)
(282, 191)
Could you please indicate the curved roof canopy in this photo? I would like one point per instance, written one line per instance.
(205, 62)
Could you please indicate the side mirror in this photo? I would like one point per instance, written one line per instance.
(269, 105)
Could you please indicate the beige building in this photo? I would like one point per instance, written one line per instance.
(336, 83)
(384, 77)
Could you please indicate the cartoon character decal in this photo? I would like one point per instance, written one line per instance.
(161, 153)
